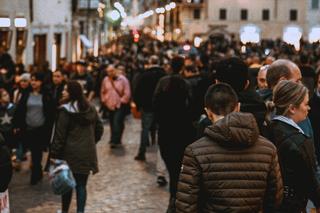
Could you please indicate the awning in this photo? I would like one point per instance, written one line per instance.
(86, 42)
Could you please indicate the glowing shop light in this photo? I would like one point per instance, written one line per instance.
(197, 41)
(20, 22)
(250, 33)
(160, 10)
(5, 22)
(114, 15)
(314, 35)
(186, 47)
(292, 35)
(173, 5)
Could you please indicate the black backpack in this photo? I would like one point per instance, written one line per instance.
(5, 166)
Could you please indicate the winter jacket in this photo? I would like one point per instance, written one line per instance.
(231, 169)
(171, 102)
(6, 116)
(251, 102)
(75, 137)
(298, 167)
(5, 166)
(146, 86)
(21, 110)
(114, 96)
(314, 115)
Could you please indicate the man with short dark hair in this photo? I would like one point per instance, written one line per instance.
(235, 72)
(232, 168)
(143, 94)
(85, 79)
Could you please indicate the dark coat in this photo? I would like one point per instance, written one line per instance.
(198, 87)
(19, 120)
(231, 169)
(146, 86)
(5, 166)
(314, 116)
(7, 114)
(298, 167)
(171, 102)
(251, 102)
(75, 138)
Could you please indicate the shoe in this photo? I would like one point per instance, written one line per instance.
(140, 157)
(162, 181)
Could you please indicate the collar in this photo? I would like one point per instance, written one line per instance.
(288, 121)
(71, 107)
(318, 93)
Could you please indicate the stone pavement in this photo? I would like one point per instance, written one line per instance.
(122, 185)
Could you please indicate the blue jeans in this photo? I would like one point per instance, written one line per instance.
(117, 125)
(146, 124)
(81, 183)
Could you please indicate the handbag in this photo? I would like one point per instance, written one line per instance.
(61, 178)
(134, 111)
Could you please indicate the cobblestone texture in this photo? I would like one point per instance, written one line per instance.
(122, 185)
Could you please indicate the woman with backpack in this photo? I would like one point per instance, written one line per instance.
(77, 130)
(295, 150)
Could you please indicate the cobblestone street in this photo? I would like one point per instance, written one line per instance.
(122, 185)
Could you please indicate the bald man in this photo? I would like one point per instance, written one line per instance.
(283, 69)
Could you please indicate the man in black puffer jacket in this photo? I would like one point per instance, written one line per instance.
(5, 166)
(232, 168)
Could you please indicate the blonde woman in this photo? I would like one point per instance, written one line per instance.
(295, 149)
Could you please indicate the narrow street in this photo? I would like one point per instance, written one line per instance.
(122, 185)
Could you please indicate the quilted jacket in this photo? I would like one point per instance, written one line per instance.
(231, 169)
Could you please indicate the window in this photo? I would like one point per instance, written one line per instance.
(223, 14)
(244, 14)
(196, 14)
(293, 15)
(315, 4)
(265, 15)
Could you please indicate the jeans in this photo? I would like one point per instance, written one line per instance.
(117, 125)
(161, 169)
(35, 141)
(146, 122)
(81, 184)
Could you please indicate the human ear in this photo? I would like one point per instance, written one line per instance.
(237, 108)
(209, 113)
(292, 109)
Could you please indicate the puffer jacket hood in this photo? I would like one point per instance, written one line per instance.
(83, 118)
(236, 130)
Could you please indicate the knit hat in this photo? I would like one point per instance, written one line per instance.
(25, 77)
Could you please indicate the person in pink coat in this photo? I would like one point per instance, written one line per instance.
(115, 96)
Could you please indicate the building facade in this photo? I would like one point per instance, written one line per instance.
(43, 34)
(50, 33)
(13, 36)
(270, 16)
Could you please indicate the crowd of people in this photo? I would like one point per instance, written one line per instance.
(237, 126)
